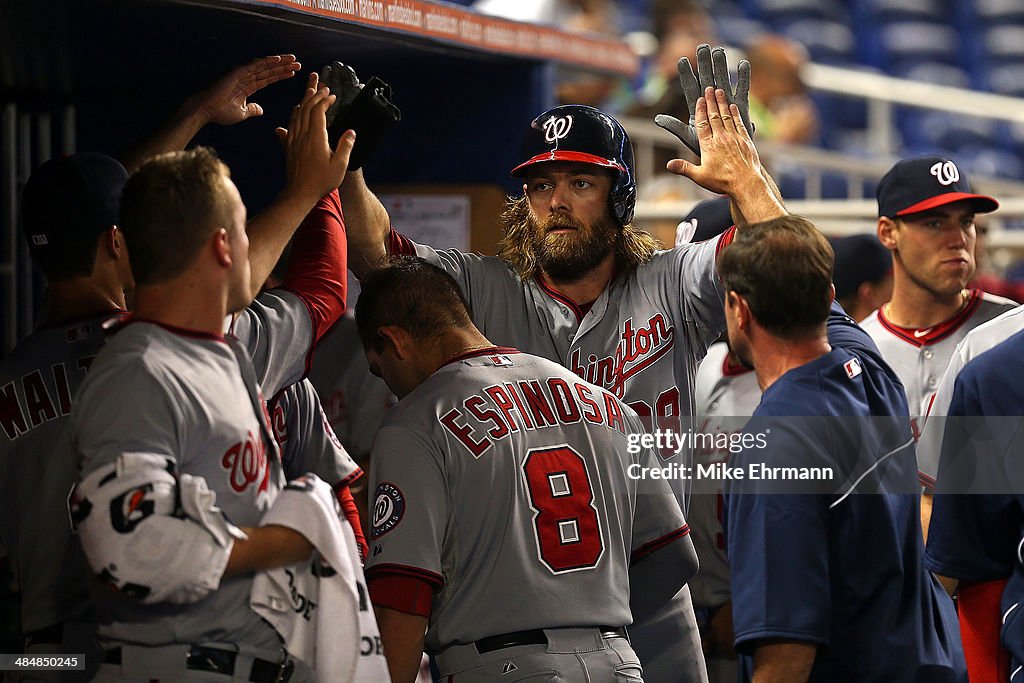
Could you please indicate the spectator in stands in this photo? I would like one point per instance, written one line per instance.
(779, 105)
(863, 274)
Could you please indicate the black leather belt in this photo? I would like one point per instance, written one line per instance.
(535, 637)
(223, 662)
(51, 635)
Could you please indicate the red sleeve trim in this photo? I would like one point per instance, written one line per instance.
(658, 543)
(407, 594)
(351, 512)
(350, 479)
(318, 266)
(725, 240)
(406, 570)
(400, 245)
(980, 624)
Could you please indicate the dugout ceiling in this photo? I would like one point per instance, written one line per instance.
(466, 84)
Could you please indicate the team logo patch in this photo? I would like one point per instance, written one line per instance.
(130, 508)
(852, 368)
(388, 509)
(945, 172)
(556, 128)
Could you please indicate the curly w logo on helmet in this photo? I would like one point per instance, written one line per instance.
(556, 128)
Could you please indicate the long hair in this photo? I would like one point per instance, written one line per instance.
(633, 246)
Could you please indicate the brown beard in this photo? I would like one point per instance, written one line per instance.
(566, 257)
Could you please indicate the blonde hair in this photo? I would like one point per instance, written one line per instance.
(633, 246)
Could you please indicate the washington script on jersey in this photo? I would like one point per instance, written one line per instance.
(537, 405)
(640, 348)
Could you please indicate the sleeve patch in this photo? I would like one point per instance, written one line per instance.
(388, 509)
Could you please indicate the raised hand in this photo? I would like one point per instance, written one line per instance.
(729, 163)
(313, 168)
(227, 101)
(712, 72)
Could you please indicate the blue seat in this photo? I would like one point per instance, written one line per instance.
(991, 161)
(995, 12)
(739, 30)
(884, 11)
(828, 42)
(1004, 42)
(946, 130)
(779, 11)
(918, 41)
(938, 73)
(1006, 78)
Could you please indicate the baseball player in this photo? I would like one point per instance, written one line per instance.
(974, 540)
(926, 219)
(75, 243)
(510, 520)
(806, 606)
(575, 282)
(978, 601)
(863, 274)
(172, 425)
(726, 395)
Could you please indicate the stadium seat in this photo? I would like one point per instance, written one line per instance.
(938, 73)
(781, 11)
(921, 41)
(1004, 42)
(991, 161)
(995, 12)
(1005, 79)
(885, 11)
(827, 42)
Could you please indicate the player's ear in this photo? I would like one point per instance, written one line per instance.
(831, 293)
(221, 245)
(113, 242)
(887, 229)
(396, 338)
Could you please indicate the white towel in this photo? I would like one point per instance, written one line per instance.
(321, 608)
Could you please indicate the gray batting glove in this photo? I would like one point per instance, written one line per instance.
(713, 71)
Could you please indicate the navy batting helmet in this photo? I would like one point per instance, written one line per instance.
(574, 132)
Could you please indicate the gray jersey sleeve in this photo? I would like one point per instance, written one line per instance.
(308, 444)
(410, 505)
(689, 270)
(146, 533)
(277, 332)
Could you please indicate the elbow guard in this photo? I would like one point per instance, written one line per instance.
(152, 534)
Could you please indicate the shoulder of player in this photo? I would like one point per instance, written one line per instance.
(872, 324)
(997, 364)
(993, 305)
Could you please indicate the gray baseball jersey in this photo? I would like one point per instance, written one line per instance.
(504, 480)
(978, 341)
(726, 397)
(308, 444)
(164, 394)
(641, 339)
(919, 357)
(354, 399)
(37, 382)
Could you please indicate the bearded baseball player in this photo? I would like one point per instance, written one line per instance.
(805, 605)
(575, 282)
(171, 422)
(510, 517)
(69, 211)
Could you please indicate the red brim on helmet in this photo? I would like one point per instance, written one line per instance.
(565, 155)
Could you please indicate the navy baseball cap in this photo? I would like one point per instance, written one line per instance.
(859, 259)
(71, 197)
(922, 183)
